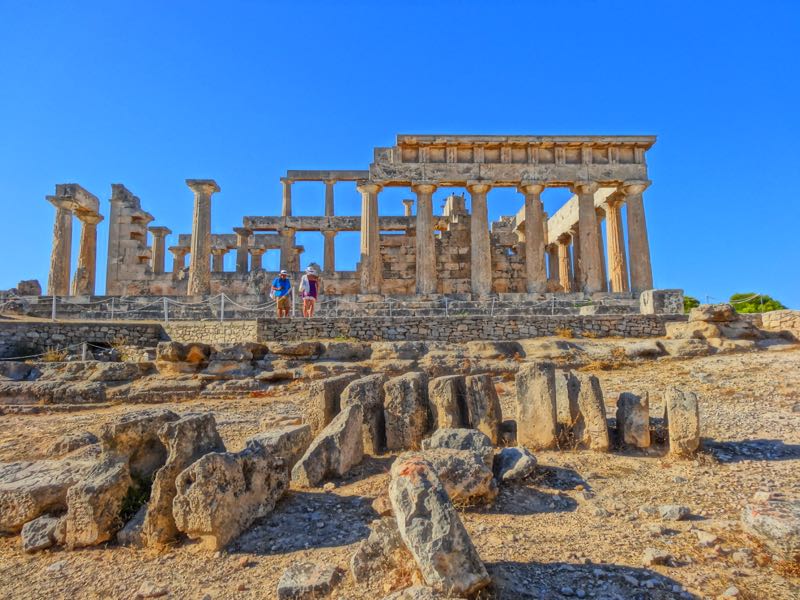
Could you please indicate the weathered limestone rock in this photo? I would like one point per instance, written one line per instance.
(40, 533)
(483, 405)
(135, 436)
(131, 533)
(447, 396)
(324, 400)
(71, 442)
(307, 581)
(567, 390)
(94, 505)
(368, 392)
(591, 429)
(289, 442)
(714, 313)
(683, 418)
(432, 531)
(462, 439)
(12, 370)
(633, 420)
(464, 474)
(296, 349)
(31, 489)
(513, 463)
(536, 406)
(382, 551)
(774, 518)
(406, 411)
(335, 450)
(344, 351)
(222, 493)
(186, 440)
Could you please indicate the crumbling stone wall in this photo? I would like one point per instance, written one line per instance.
(508, 258)
(453, 255)
(212, 332)
(399, 258)
(782, 320)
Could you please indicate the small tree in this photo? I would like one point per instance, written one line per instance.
(754, 303)
(689, 302)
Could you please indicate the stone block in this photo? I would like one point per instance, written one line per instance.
(483, 406)
(683, 420)
(661, 302)
(369, 393)
(536, 405)
(633, 420)
(406, 411)
(591, 428)
(462, 439)
(324, 400)
(447, 401)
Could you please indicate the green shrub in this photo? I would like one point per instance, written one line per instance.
(689, 302)
(754, 303)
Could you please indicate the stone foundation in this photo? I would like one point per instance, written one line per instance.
(210, 332)
(782, 320)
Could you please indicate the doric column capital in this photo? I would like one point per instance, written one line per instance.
(584, 187)
(631, 188)
(331, 181)
(203, 186)
(256, 250)
(366, 187)
(564, 239)
(178, 251)
(88, 218)
(62, 203)
(600, 212)
(614, 199)
(423, 187)
(530, 187)
(243, 231)
(479, 187)
(159, 232)
(330, 232)
(287, 181)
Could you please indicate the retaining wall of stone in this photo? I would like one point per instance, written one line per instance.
(782, 320)
(212, 332)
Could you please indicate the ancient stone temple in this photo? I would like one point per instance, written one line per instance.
(419, 253)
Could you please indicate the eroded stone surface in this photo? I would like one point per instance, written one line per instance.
(683, 417)
(135, 436)
(368, 392)
(774, 518)
(514, 463)
(483, 405)
(289, 442)
(462, 439)
(39, 534)
(307, 581)
(591, 429)
(446, 395)
(324, 400)
(536, 406)
(406, 411)
(382, 551)
(633, 419)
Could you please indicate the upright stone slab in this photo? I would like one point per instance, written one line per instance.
(591, 429)
(432, 531)
(368, 392)
(447, 401)
(335, 450)
(683, 417)
(186, 439)
(536, 406)
(567, 389)
(483, 406)
(324, 400)
(406, 411)
(633, 420)
(288, 443)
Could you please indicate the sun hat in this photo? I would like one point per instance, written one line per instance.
(311, 271)
(283, 272)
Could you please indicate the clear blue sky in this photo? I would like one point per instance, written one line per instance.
(151, 93)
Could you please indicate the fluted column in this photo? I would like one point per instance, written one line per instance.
(199, 263)
(615, 241)
(591, 275)
(426, 244)
(535, 269)
(178, 258)
(479, 235)
(601, 214)
(158, 249)
(83, 282)
(256, 257)
(61, 253)
(242, 243)
(638, 244)
(329, 255)
(371, 275)
(408, 203)
(564, 263)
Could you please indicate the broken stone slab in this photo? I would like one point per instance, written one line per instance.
(653, 556)
(307, 581)
(186, 440)
(431, 530)
(683, 421)
(464, 474)
(324, 401)
(567, 390)
(94, 505)
(514, 463)
(447, 396)
(406, 411)
(40, 533)
(118, 371)
(135, 436)
(591, 429)
(774, 518)
(536, 406)
(31, 489)
(338, 448)
(633, 420)
(289, 442)
(713, 313)
(222, 493)
(483, 405)
(71, 442)
(381, 552)
(368, 392)
(462, 439)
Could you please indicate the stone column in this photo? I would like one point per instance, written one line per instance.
(591, 276)
(329, 256)
(479, 235)
(61, 253)
(552, 254)
(615, 241)
(218, 259)
(535, 269)
(601, 214)
(577, 275)
(638, 245)
(287, 248)
(408, 203)
(83, 282)
(297, 251)
(426, 244)
(199, 264)
(256, 255)
(329, 208)
(286, 206)
(158, 249)
(178, 258)
(242, 244)
(564, 263)
(371, 275)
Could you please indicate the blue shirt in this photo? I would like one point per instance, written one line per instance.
(283, 285)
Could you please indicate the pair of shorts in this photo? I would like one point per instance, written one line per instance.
(312, 298)
(283, 302)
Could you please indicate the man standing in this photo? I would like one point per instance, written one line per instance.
(281, 288)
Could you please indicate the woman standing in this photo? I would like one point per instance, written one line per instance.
(309, 290)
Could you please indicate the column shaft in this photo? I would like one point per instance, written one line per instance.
(256, 258)
(481, 245)
(83, 283)
(564, 265)
(577, 271)
(371, 274)
(600, 250)
(638, 244)
(535, 270)
(329, 208)
(591, 275)
(286, 206)
(287, 248)
(242, 244)
(199, 263)
(218, 261)
(552, 259)
(61, 253)
(329, 252)
(615, 240)
(178, 259)
(426, 244)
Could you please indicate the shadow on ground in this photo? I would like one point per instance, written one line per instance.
(737, 451)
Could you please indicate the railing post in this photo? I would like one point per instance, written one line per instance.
(166, 309)
(294, 309)
(446, 309)
(112, 308)
(221, 308)
(83, 352)
(53, 309)
(492, 309)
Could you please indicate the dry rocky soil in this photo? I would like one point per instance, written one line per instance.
(579, 527)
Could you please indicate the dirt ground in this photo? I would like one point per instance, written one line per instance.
(578, 528)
